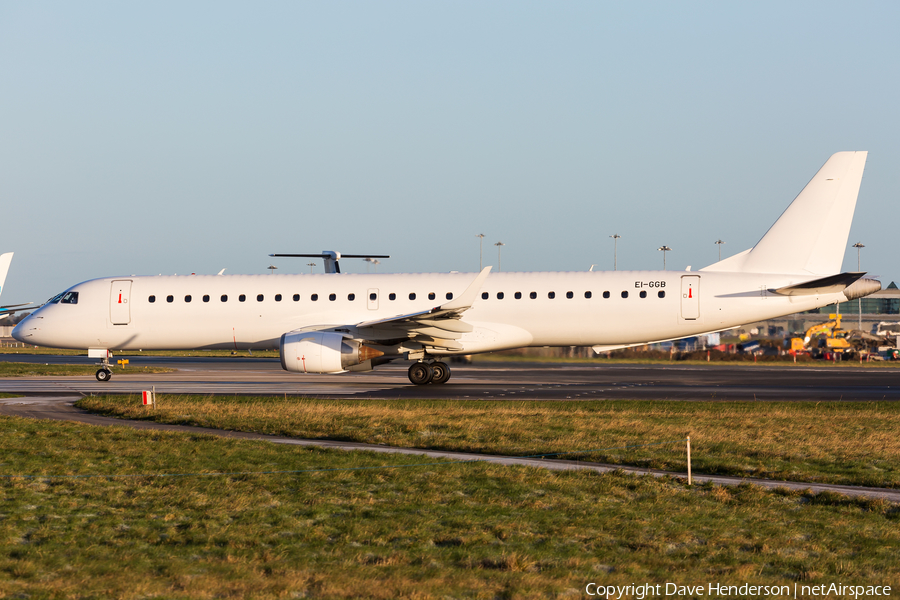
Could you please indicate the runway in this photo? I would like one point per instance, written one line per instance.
(486, 380)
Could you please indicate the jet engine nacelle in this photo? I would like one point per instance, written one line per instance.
(322, 352)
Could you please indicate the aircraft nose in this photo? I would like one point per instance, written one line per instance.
(25, 330)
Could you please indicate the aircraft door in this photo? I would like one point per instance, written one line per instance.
(373, 299)
(690, 297)
(119, 302)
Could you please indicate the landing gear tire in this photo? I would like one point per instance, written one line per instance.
(103, 375)
(421, 374)
(441, 373)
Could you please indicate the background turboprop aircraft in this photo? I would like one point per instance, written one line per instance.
(331, 323)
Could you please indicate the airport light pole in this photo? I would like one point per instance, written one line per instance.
(480, 237)
(499, 246)
(615, 238)
(272, 269)
(859, 246)
(664, 249)
(719, 244)
(311, 266)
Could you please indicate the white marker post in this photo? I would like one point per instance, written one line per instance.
(689, 459)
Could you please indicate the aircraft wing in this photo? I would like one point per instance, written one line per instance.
(14, 308)
(438, 327)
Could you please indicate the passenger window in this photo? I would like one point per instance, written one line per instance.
(296, 297)
(431, 295)
(332, 297)
(70, 298)
(661, 294)
(449, 295)
(624, 294)
(206, 297)
(551, 295)
(587, 294)
(373, 296)
(277, 297)
(314, 297)
(224, 297)
(412, 296)
(392, 296)
(151, 299)
(570, 295)
(533, 295)
(643, 294)
(499, 295)
(485, 295)
(168, 298)
(351, 297)
(518, 295)
(606, 294)
(242, 298)
(260, 297)
(187, 298)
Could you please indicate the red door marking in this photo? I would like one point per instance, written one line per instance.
(690, 292)
(120, 298)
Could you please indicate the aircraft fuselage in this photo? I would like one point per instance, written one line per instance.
(512, 309)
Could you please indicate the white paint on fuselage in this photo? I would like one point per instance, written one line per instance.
(725, 300)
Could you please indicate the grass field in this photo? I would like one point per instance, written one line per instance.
(353, 530)
(8, 369)
(834, 442)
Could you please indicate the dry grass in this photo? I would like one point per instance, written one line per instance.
(835, 442)
(11, 369)
(353, 530)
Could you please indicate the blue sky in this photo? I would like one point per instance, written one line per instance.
(172, 137)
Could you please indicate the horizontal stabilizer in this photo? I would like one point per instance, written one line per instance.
(331, 258)
(825, 285)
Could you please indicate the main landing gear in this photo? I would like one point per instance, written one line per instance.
(422, 373)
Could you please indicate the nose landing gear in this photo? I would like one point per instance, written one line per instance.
(422, 373)
(104, 373)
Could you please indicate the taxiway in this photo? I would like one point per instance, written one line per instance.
(486, 380)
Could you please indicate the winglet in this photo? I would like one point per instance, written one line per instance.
(467, 298)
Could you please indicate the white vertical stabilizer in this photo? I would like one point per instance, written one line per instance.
(811, 235)
(5, 259)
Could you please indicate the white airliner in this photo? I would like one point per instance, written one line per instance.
(331, 323)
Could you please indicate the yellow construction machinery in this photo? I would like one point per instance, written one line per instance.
(831, 339)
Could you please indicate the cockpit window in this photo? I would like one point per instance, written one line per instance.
(64, 298)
